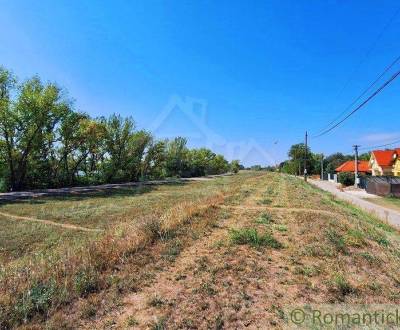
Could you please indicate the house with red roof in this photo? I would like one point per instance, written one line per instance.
(385, 162)
(396, 165)
(349, 166)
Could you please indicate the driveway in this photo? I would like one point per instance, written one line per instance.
(356, 198)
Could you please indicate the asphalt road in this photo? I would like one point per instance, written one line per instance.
(384, 213)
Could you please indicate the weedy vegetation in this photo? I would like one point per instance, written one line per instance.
(235, 250)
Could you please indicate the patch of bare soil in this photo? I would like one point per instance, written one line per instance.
(48, 222)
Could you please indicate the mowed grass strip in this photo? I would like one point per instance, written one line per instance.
(33, 286)
(338, 255)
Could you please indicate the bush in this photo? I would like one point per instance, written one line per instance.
(86, 282)
(3, 185)
(38, 299)
(346, 178)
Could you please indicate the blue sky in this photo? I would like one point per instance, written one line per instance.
(263, 71)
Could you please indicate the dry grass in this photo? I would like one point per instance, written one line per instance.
(35, 286)
(220, 258)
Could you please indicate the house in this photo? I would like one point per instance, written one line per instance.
(349, 166)
(382, 162)
(396, 164)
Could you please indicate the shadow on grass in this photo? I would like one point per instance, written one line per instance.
(89, 192)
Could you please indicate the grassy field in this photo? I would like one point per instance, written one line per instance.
(231, 252)
(389, 202)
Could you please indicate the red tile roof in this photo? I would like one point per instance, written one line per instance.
(363, 166)
(384, 157)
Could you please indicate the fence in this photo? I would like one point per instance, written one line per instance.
(383, 185)
(330, 177)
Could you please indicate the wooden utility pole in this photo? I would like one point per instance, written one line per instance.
(305, 159)
(356, 165)
(322, 166)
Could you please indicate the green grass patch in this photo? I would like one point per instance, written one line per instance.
(281, 228)
(355, 237)
(337, 240)
(252, 237)
(265, 201)
(264, 219)
(342, 285)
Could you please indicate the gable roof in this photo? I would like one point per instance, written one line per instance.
(363, 166)
(384, 157)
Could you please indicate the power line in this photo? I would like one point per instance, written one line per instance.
(363, 93)
(361, 105)
(380, 146)
(369, 51)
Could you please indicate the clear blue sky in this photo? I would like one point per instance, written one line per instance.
(267, 70)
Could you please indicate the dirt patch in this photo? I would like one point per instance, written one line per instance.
(49, 222)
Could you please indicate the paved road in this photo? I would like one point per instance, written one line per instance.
(18, 195)
(383, 213)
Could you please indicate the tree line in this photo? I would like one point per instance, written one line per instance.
(45, 143)
(295, 164)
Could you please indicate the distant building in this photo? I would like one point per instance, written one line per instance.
(349, 166)
(385, 162)
(396, 165)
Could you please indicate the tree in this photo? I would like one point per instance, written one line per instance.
(234, 166)
(28, 130)
(45, 143)
(82, 149)
(153, 166)
(335, 160)
(139, 143)
(176, 157)
(297, 153)
(218, 165)
(118, 137)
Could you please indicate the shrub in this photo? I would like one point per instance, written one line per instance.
(85, 282)
(3, 185)
(346, 178)
(38, 299)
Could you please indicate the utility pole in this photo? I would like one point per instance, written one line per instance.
(322, 166)
(356, 165)
(305, 159)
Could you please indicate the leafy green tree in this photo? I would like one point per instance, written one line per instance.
(118, 137)
(297, 153)
(335, 160)
(139, 143)
(177, 157)
(28, 130)
(219, 165)
(81, 150)
(234, 166)
(364, 156)
(200, 161)
(45, 143)
(153, 165)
